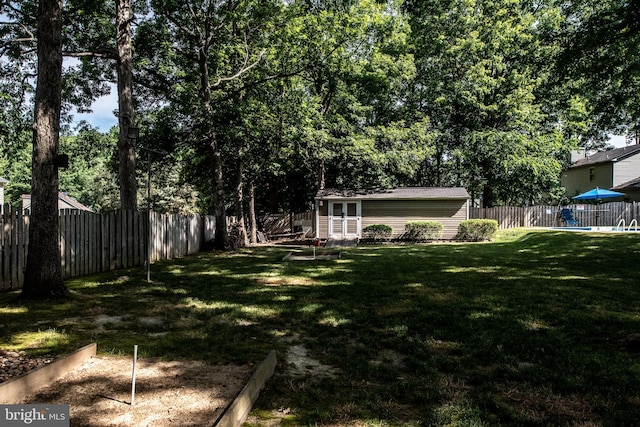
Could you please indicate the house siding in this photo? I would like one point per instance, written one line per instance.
(396, 213)
(626, 170)
(613, 168)
(577, 180)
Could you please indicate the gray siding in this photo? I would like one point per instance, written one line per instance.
(396, 213)
(626, 170)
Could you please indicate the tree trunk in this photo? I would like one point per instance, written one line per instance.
(438, 177)
(321, 171)
(219, 208)
(126, 150)
(43, 272)
(239, 203)
(253, 223)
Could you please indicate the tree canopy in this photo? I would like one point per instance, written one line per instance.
(262, 103)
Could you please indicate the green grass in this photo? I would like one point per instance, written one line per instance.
(526, 330)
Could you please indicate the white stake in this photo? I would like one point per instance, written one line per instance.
(133, 375)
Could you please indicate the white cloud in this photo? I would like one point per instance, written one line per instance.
(102, 115)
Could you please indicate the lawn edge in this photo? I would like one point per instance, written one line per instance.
(236, 413)
(13, 391)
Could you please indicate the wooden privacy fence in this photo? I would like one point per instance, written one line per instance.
(287, 222)
(93, 243)
(588, 215)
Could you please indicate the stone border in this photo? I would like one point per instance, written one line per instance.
(13, 391)
(236, 413)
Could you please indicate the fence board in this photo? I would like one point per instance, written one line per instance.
(64, 244)
(273, 224)
(4, 227)
(91, 243)
(588, 215)
(15, 253)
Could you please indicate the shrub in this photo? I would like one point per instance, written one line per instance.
(423, 230)
(377, 232)
(476, 230)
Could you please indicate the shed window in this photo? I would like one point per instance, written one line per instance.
(352, 209)
(592, 174)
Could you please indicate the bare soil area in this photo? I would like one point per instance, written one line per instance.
(184, 393)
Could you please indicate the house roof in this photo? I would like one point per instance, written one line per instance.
(3, 181)
(73, 203)
(607, 156)
(633, 184)
(64, 202)
(396, 193)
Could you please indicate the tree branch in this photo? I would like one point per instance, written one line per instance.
(245, 66)
(100, 53)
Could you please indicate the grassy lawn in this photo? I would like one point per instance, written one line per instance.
(531, 329)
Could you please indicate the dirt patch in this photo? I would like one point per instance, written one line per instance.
(185, 393)
(300, 363)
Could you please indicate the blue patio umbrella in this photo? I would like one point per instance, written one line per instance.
(598, 194)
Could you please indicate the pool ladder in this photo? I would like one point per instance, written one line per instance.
(633, 223)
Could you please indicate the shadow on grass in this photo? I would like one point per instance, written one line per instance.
(524, 331)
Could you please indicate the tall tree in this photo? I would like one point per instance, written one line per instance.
(99, 35)
(18, 66)
(126, 150)
(480, 66)
(601, 46)
(43, 272)
(204, 46)
(356, 61)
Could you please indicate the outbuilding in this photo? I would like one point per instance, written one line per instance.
(342, 214)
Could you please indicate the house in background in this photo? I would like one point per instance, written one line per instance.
(617, 170)
(3, 183)
(344, 213)
(631, 189)
(64, 202)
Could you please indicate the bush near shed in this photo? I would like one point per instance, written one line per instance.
(377, 232)
(477, 230)
(421, 231)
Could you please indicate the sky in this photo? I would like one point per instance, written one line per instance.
(104, 119)
(103, 116)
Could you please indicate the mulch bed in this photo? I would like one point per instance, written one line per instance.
(16, 363)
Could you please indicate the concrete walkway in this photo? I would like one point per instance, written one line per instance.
(335, 243)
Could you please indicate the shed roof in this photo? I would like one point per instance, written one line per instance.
(634, 183)
(607, 156)
(406, 193)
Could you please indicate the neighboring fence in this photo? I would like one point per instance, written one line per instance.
(588, 215)
(93, 243)
(274, 224)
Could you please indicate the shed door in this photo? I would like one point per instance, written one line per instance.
(344, 219)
